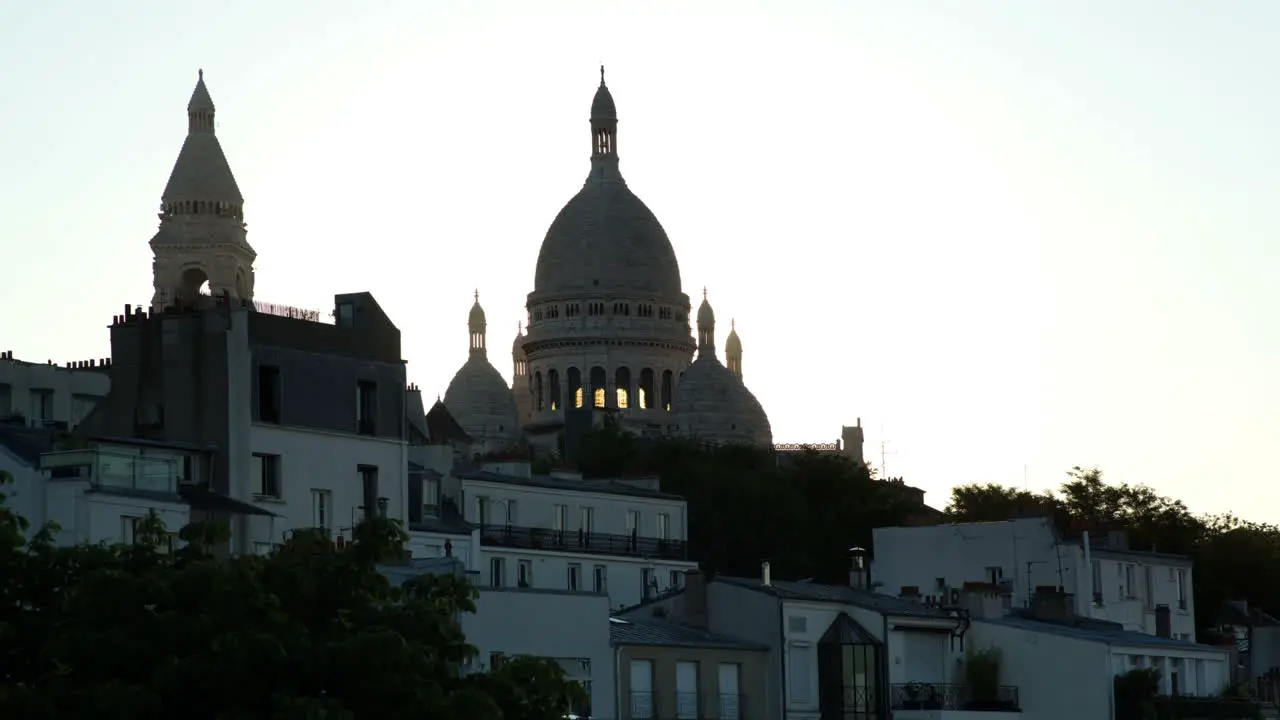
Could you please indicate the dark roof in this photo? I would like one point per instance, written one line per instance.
(843, 594)
(203, 499)
(416, 467)
(1167, 558)
(442, 427)
(668, 634)
(1109, 633)
(610, 487)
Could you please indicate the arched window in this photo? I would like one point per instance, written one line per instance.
(537, 390)
(598, 381)
(553, 387)
(574, 378)
(668, 382)
(622, 383)
(644, 393)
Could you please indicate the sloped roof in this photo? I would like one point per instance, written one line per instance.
(1095, 632)
(843, 594)
(668, 634)
(844, 630)
(608, 487)
(442, 427)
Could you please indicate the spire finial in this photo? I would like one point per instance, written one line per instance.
(601, 73)
(477, 294)
(200, 73)
(704, 292)
(733, 324)
(520, 328)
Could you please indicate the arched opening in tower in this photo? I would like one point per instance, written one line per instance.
(574, 377)
(193, 284)
(553, 382)
(644, 393)
(598, 381)
(622, 383)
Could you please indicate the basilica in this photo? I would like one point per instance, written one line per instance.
(608, 324)
(607, 329)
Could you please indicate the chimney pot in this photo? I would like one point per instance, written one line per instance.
(766, 575)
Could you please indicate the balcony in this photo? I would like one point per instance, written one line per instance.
(681, 705)
(929, 696)
(579, 541)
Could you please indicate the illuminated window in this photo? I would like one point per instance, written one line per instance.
(622, 398)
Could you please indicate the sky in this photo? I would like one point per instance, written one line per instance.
(1011, 237)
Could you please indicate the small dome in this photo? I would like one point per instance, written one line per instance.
(602, 107)
(733, 344)
(712, 404)
(706, 316)
(479, 399)
(517, 346)
(475, 320)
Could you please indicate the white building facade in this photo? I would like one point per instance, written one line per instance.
(48, 395)
(624, 540)
(1108, 581)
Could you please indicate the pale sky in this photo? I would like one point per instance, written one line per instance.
(1005, 234)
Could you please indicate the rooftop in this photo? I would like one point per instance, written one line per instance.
(1094, 631)
(608, 487)
(843, 594)
(668, 634)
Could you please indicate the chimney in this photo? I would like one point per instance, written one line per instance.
(693, 601)
(766, 577)
(1164, 622)
(1052, 603)
(858, 568)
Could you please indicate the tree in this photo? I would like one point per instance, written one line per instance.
(745, 506)
(312, 631)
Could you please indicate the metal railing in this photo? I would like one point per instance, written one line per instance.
(594, 543)
(732, 706)
(938, 696)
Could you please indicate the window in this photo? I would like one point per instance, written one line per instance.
(368, 489)
(482, 510)
(575, 577)
(995, 575)
(648, 584)
(1182, 589)
(268, 394)
(687, 690)
(321, 508)
(1097, 582)
(586, 519)
(1149, 576)
(366, 407)
(664, 526)
(1130, 581)
(129, 529)
(633, 521)
(642, 689)
(797, 624)
(799, 673)
(524, 573)
(431, 497)
(559, 517)
(346, 315)
(674, 578)
(600, 581)
(266, 476)
(730, 689)
(497, 572)
(42, 405)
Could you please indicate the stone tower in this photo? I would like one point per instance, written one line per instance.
(202, 235)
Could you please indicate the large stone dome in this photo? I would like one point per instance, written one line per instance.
(713, 404)
(606, 239)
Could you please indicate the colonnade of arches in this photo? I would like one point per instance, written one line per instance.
(645, 390)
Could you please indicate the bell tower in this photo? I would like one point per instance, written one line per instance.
(202, 237)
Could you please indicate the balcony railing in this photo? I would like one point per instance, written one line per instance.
(683, 705)
(595, 543)
(732, 706)
(933, 696)
(642, 706)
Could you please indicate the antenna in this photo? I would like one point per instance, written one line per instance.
(884, 472)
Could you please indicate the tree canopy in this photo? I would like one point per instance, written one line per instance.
(311, 631)
(801, 513)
